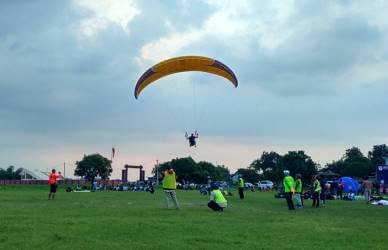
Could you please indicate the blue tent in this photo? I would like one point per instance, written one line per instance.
(349, 182)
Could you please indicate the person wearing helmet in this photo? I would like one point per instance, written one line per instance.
(217, 200)
(289, 189)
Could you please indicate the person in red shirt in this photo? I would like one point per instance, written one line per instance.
(53, 183)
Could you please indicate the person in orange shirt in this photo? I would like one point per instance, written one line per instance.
(53, 183)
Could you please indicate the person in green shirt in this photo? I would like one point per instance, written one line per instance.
(169, 187)
(217, 200)
(289, 189)
(316, 191)
(299, 191)
(241, 187)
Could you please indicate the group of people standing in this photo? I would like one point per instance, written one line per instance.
(319, 190)
(291, 188)
(294, 189)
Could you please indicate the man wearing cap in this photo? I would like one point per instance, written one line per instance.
(217, 200)
(169, 187)
(289, 189)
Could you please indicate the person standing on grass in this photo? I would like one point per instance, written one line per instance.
(316, 191)
(169, 187)
(217, 200)
(340, 190)
(323, 193)
(53, 183)
(368, 185)
(298, 191)
(241, 185)
(289, 189)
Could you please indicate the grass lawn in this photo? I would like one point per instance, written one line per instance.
(118, 220)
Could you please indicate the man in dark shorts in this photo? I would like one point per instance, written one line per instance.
(53, 183)
(192, 138)
(368, 186)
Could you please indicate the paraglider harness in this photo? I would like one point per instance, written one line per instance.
(192, 138)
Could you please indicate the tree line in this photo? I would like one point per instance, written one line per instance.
(10, 173)
(270, 165)
(187, 170)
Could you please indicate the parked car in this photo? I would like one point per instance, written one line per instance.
(248, 185)
(280, 193)
(263, 185)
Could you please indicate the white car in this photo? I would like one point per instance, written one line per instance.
(248, 185)
(265, 185)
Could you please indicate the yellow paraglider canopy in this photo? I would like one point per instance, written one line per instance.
(182, 64)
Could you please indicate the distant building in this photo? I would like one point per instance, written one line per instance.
(35, 174)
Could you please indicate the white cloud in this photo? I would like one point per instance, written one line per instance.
(104, 13)
(168, 46)
(313, 77)
(232, 22)
(365, 74)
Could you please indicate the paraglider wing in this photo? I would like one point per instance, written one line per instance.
(182, 64)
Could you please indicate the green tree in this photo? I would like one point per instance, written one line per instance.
(248, 175)
(271, 165)
(356, 164)
(10, 173)
(336, 167)
(268, 166)
(187, 170)
(297, 162)
(92, 166)
(377, 154)
(216, 173)
(353, 164)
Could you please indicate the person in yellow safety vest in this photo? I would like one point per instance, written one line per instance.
(217, 200)
(316, 191)
(289, 189)
(169, 187)
(299, 191)
(241, 186)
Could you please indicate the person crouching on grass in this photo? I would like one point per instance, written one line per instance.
(53, 183)
(217, 200)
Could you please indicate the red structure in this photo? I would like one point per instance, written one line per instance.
(124, 172)
(66, 182)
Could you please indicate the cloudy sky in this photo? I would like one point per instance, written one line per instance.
(313, 76)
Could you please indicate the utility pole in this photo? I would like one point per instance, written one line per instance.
(64, 170)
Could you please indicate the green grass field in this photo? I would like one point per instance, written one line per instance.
(129, 220)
